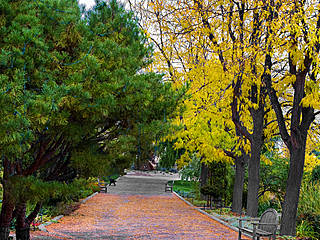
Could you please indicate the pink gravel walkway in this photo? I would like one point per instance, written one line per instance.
(111, 216)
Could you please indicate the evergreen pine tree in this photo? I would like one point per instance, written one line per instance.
(73, 91)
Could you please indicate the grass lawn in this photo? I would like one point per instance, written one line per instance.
(184, 186)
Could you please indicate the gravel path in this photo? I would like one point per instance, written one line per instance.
(137, 208)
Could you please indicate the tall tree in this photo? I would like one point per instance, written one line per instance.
(298, 85)
(184, 52)
(262, 46)
(32, 89)
(223, 68)
(72, 83)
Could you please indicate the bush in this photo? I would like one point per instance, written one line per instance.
(63, 208)
(309, 205)
(315, 175)
(199, 203)
(220, 178)
(212, 190)
(263, 206)
(192, 170)
(94, 187)
(306, 230)
(107, 179)
(190, 188)
(66, 201)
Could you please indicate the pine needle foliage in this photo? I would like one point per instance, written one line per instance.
(73, 91)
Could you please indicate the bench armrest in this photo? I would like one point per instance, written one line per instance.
(266, 224)
(248, 219)
(256, 224)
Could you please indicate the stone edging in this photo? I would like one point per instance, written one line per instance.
(210, 216)
(87, 198)
(42, 227)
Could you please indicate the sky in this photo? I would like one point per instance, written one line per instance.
(88, 3)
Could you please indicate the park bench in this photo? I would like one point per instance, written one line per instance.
(103, 186)
(265, 226)
(112, 181)
(169, 187)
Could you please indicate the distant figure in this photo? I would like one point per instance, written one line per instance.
(112, 181)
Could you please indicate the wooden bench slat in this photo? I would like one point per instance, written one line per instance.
(103, 187)
(168, 187)
(258, 231)
(265, 227)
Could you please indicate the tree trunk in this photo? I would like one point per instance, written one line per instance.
(238, 184)
(5, 219)
(253, 183)
(254, 163)
(23, 233)
(4, 233)
(203, 178)
(22, 228)
(6, 212)
(290, 205)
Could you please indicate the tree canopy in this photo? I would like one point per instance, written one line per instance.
(241, 58)
(74, 94)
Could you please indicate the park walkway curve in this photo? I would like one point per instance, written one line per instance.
(137, 208)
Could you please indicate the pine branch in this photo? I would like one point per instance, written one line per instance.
(44, 156)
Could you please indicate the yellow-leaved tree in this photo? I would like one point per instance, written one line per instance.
(293, 47)
(236, 53)
(184, 52)
(213, 46)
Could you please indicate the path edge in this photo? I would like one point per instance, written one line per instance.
(209, 215)
(42, 227)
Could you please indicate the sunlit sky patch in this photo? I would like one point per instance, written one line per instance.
(88, 3)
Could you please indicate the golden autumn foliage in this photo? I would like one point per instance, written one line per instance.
(243, 60)
(192, 38)
(209, 44)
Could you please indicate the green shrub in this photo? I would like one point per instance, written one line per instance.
(220, 178)
(305, 230)
(94, 188)
(107, 179)
(273, 178)
(199, 203)
(183, 186)
(212, 190)
(63, 208)
(263, 206)
(309, 199)
(315, 175)
(309, 205)
(192, 170)
(65, 201)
